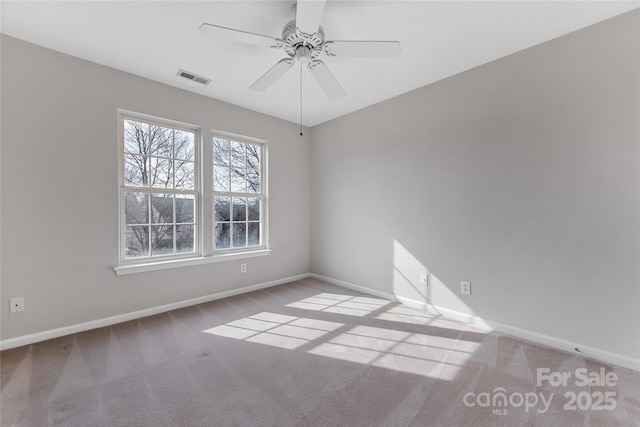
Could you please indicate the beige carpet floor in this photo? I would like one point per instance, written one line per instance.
(306, 354)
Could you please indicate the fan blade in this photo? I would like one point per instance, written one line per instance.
(309, 14)
(218, 32)
(363, 49)
(326, 80)
(272, 75)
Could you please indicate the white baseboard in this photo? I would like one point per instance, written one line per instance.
(354, 287)
(108, 321)
(450, 314)
(535, 337)
(527, 335)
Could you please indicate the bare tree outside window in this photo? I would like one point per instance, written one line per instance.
(238, 197)
(159, 190)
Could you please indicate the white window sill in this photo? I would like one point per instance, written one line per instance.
(175, 263)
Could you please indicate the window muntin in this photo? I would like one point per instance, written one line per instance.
(238, 194)
(158, 189)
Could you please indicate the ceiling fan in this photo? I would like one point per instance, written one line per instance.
(303, 41)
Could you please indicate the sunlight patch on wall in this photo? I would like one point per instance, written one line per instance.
(406, 275)
(407, 286)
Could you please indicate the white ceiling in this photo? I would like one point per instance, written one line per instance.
(154, 39)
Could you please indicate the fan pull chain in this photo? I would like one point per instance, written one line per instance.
(300, 98)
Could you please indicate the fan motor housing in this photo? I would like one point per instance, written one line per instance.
(294, 38)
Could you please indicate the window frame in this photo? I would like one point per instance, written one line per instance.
(262, 195)
(204, 234)
(123, 188)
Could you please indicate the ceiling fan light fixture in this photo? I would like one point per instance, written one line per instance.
(303, 54)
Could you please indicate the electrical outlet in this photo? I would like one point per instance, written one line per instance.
(243, 268)
(424, 279)
(465, 288)
(16, 304)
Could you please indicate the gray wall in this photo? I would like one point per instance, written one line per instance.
(521, 176)
(60, 191)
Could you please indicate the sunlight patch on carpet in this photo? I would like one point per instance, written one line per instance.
(340, 304)
(275, 329)
(390, 348)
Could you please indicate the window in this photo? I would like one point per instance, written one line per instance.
(238, 194)
(170, 215)
(159, 189)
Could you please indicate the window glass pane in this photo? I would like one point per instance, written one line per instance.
(238, 181)
(221, 178)
(184, 175)
(162, 208)
(137, 241)
(184, 145)
(239, 209)
(162, 219)
(240, 235)
(185, 207)
(253, 209)
(136, 208)
(223, 235)
(161, 240)
(237, 169)
(223, 208)
(253, 181)
(136, 137)
(161, 175)
(136, 169)
(254, 233)
(221, 151)
(253, 156)
(185, 241)
(237, 154)
(161, 141)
